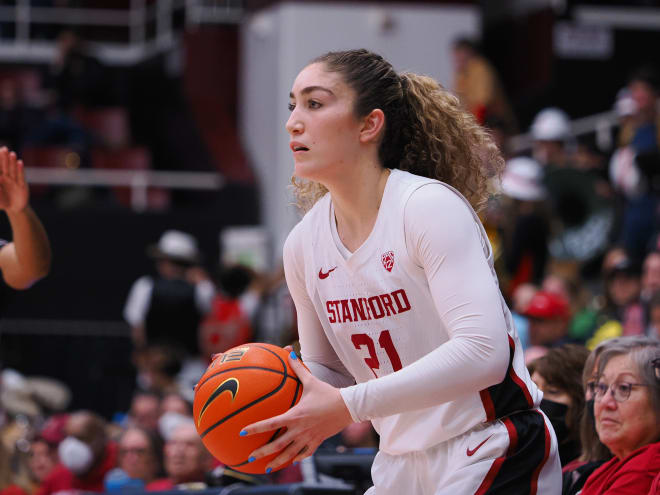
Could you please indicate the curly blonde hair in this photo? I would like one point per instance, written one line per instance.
(427, 132)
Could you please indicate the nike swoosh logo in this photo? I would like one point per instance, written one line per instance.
(229, 385)
(325, 275)
(470, 453)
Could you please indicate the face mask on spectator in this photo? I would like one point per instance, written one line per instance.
(556, 413)
(77, 456)
(169, 421)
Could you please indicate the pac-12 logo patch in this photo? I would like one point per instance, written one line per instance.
(388, 260)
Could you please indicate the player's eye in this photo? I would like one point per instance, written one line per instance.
(291, 107)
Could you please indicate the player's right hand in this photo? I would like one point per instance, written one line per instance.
(14, 192)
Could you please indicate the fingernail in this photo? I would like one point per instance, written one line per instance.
(268, 470)
(251, 459)
(295, 463)
(243, 433)
(293, 355)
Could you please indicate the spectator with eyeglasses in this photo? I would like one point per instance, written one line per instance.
(141, 454)
(626, 395)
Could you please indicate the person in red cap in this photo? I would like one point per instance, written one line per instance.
(549, 315)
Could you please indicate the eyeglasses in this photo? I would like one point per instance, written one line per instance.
(135, 450)
(620, 391)
(591, 387)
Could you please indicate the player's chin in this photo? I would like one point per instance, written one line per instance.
(301, 170)
(308, 169)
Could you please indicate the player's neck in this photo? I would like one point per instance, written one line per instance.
(356, 203)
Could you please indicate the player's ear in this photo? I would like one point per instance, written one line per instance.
(372, 125)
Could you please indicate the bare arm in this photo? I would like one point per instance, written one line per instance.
(27, 258)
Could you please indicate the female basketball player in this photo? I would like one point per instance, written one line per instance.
(400, 317)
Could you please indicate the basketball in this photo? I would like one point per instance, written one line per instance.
(243, 385)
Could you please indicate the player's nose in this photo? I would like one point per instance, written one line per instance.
(294, 125)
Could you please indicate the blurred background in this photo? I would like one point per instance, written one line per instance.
(140, 117)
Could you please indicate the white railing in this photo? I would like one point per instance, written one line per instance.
(134, 21)
(213, 12)
(139, 181)
(600, 123)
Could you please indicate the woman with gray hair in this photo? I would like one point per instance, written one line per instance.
(627, 411)
(594, 453)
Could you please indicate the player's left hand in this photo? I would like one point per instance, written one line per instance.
(320, 414)
(14, 193)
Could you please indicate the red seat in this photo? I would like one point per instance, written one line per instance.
(109, 125)
(136, 158)
(50, 157)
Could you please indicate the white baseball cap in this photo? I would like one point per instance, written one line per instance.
(551, 124)
(175, 245)
(625, 105)
(522, 179)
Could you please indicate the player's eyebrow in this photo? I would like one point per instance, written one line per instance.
(309, 89)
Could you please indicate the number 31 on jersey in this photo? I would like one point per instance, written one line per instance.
(385, 341)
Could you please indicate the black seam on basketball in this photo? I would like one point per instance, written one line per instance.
(293, 403)
(284, 368)
(274, 436)
(247, 406)
(295, 395)
(293, 377)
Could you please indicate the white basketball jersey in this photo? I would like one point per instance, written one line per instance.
(377, 313)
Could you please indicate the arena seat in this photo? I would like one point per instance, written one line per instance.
(109, 125)
(134, 158)
(50, 157)
(287, 489)
(352, 466)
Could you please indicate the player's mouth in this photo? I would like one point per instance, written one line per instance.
(297, 147)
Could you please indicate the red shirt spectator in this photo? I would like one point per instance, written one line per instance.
(161, 485)
(633, 474)
(13, 490)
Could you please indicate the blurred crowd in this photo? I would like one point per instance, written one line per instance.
(576, 227)
(574, 222)
(78, 112)
(575, 232)
(180, 315)
(45, 106)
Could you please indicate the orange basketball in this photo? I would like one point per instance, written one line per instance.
(244, 385)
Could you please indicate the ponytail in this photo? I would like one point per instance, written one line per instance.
(442, 141)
